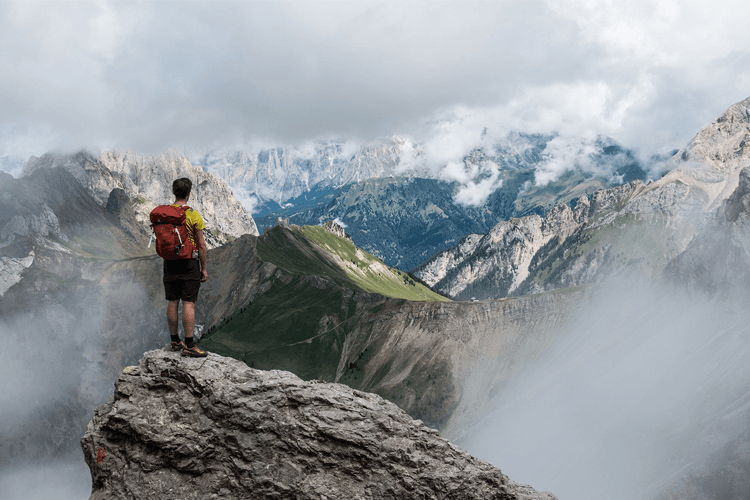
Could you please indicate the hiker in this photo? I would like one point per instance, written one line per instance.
(183, 274)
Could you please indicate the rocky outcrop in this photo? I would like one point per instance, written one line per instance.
(282, 222)
(45, 223)
(179, 428)
(334, 228)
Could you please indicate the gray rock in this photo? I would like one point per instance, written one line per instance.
(499, 263)
(44, 224)
(282, 222)
(180, 428)
(717, 260)
(334, 227)
(118, 199)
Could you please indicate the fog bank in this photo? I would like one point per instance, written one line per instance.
(64, 479)
(644, 385)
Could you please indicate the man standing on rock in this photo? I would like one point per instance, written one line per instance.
(183, 277)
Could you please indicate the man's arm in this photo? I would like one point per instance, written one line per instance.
(201, 252)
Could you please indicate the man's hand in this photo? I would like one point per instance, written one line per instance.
(204, 275)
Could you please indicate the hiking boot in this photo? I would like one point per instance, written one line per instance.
(194, 352)
(178, 346)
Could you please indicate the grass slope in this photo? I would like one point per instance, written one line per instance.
(293, 326)
(313, 251)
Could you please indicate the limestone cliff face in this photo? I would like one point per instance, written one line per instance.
(148, 179)
(724, 144)
(506, 259)
(717, 260)
(283, 173)
(443, 361)
(179, 428)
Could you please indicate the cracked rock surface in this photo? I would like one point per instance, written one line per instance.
(186, 428)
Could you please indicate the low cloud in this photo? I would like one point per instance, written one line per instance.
(476, 192)
(563, 154)
(61, 356)
(64, 479)
(249, 201)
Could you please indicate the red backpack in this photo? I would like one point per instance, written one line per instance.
(168, 223)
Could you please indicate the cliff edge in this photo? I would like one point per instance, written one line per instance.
(182, 428)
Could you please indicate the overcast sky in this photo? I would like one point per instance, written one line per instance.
(152, 75)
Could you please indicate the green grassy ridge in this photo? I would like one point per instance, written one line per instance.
(312, 251)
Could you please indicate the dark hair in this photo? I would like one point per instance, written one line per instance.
(182, 187)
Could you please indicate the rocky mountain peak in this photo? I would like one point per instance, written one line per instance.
(148, 179)
(724, 144)
(200, 428)
(708, 167)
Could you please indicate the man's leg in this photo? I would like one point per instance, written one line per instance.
(172, 306)
(172, 317)
(188, 322)
(188, 319)
(189, 296)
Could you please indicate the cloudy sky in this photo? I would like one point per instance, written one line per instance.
(153, 75)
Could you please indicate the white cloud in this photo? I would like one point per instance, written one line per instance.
(249, 201)
(475, 192)
(562, 155)
(148, 76)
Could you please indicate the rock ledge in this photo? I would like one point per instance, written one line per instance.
(182, 428)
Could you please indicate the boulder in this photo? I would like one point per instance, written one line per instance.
(189, 428)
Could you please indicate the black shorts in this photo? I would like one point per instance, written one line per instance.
(182, 280)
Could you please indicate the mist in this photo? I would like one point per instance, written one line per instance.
(644, 385)
(62, 351)
(61, 479)
(49, 389)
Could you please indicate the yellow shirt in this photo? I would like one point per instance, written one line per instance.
(193, 221)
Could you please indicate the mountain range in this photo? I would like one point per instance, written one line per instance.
(636, 225)
(405, 219)
(79, 280)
